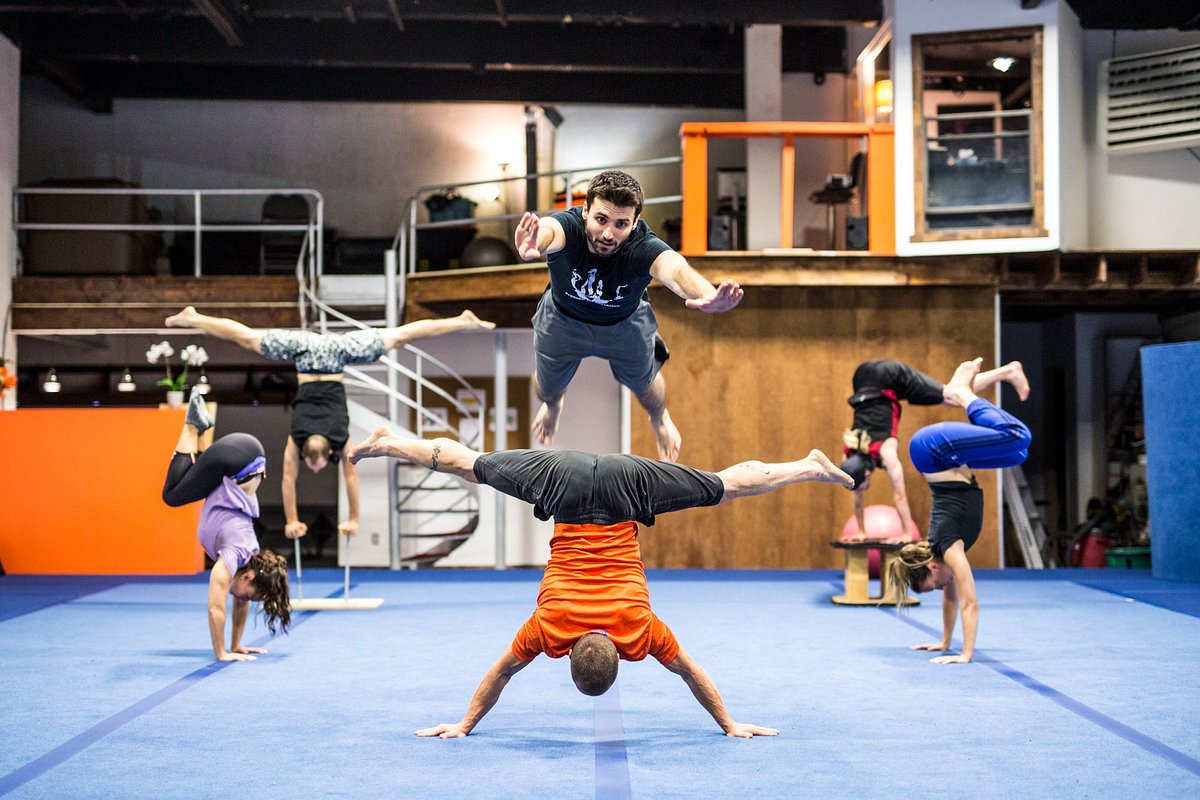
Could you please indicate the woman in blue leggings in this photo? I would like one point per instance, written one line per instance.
(945, 453)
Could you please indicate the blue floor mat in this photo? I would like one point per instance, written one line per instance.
(1082, 688)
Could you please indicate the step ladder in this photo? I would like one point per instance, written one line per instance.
(1027, 520)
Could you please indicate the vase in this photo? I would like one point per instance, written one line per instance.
(175, 399)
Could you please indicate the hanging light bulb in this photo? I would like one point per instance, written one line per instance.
(52, 384)
(202, 384)
(127, 384)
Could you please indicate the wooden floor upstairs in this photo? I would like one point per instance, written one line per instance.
(1076, 280)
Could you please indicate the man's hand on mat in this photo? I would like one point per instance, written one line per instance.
(930, 646)
(235, 657)
(247, 650)
(950, 660)
(294, 530)
(446, 730)
(348, 528)
(852, 538)
(744, 731)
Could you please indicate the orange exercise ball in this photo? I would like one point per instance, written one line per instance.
(883, 522)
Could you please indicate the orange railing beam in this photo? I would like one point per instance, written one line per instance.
(694, 228)
(881, 178)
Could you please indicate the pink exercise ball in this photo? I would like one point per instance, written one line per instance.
(883, 522)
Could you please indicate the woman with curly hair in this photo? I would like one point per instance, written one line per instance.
(945, 453)
(226, 476)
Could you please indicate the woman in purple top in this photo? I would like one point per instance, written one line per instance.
(227, 476)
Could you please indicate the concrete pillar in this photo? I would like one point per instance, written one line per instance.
(764, 102)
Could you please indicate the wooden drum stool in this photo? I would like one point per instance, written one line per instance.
(858, 575)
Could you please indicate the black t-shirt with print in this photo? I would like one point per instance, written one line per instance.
(601, 290)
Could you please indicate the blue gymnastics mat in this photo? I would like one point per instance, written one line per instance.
(1084, 686)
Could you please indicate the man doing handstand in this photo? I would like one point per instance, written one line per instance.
(593, 604)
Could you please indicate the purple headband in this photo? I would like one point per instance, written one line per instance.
(259, 464)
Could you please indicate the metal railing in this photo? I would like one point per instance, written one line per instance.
(405, 241)
(313, 228)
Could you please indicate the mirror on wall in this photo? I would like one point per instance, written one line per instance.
(978, 130)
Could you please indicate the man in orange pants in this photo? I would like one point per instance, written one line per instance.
(593, 604)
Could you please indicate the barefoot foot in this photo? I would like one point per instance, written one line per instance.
(545, 424)
(825, 471)
(183, 319)
(366, 448)
(666, 437)
(473, 322)
(1016, 378)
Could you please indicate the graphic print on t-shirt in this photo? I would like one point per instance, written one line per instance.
(592, 290)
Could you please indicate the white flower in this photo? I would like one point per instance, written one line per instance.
(194, 355)
(167, 350)
(155, 352)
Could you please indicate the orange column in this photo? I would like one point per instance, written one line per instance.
(881, 190)
(787, 191)
(694, 234)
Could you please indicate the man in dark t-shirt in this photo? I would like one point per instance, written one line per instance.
(601, 259)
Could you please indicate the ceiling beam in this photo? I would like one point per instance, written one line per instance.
(412, 85)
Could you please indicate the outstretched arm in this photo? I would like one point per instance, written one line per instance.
(860, 517)
(219, 581)
(350, 526)
(895, 472)
(706, 692)
(959, 597)
(673, 271)
(293, 527)
(486, 695)
(536, 237)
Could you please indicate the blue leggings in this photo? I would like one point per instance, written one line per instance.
(991, 440)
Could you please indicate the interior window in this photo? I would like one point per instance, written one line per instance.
(979, 129)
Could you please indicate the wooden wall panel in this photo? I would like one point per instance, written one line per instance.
(769, 381)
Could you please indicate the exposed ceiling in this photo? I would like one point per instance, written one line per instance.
(654, 52)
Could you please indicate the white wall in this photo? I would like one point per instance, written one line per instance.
(365, 158)
(916, 17)
(10, 83)
(1145, 200)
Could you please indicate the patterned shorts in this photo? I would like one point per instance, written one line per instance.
(324, 353)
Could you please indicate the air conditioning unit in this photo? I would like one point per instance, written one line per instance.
(1151, 101)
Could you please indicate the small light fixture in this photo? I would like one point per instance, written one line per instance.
(202, 385)
(883, 96)
(127, 384)
(52, 384)
(1002, 63)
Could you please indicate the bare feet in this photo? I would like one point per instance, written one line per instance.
(366, 448)
(545, 424)
(183, 319)
(958, 391)
(471, 321)
(1016, 378)
(825, 471)
(666, 437)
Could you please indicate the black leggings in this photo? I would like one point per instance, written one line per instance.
(581, 488)
(189, 481)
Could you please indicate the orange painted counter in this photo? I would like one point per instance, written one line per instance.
(82, 493)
